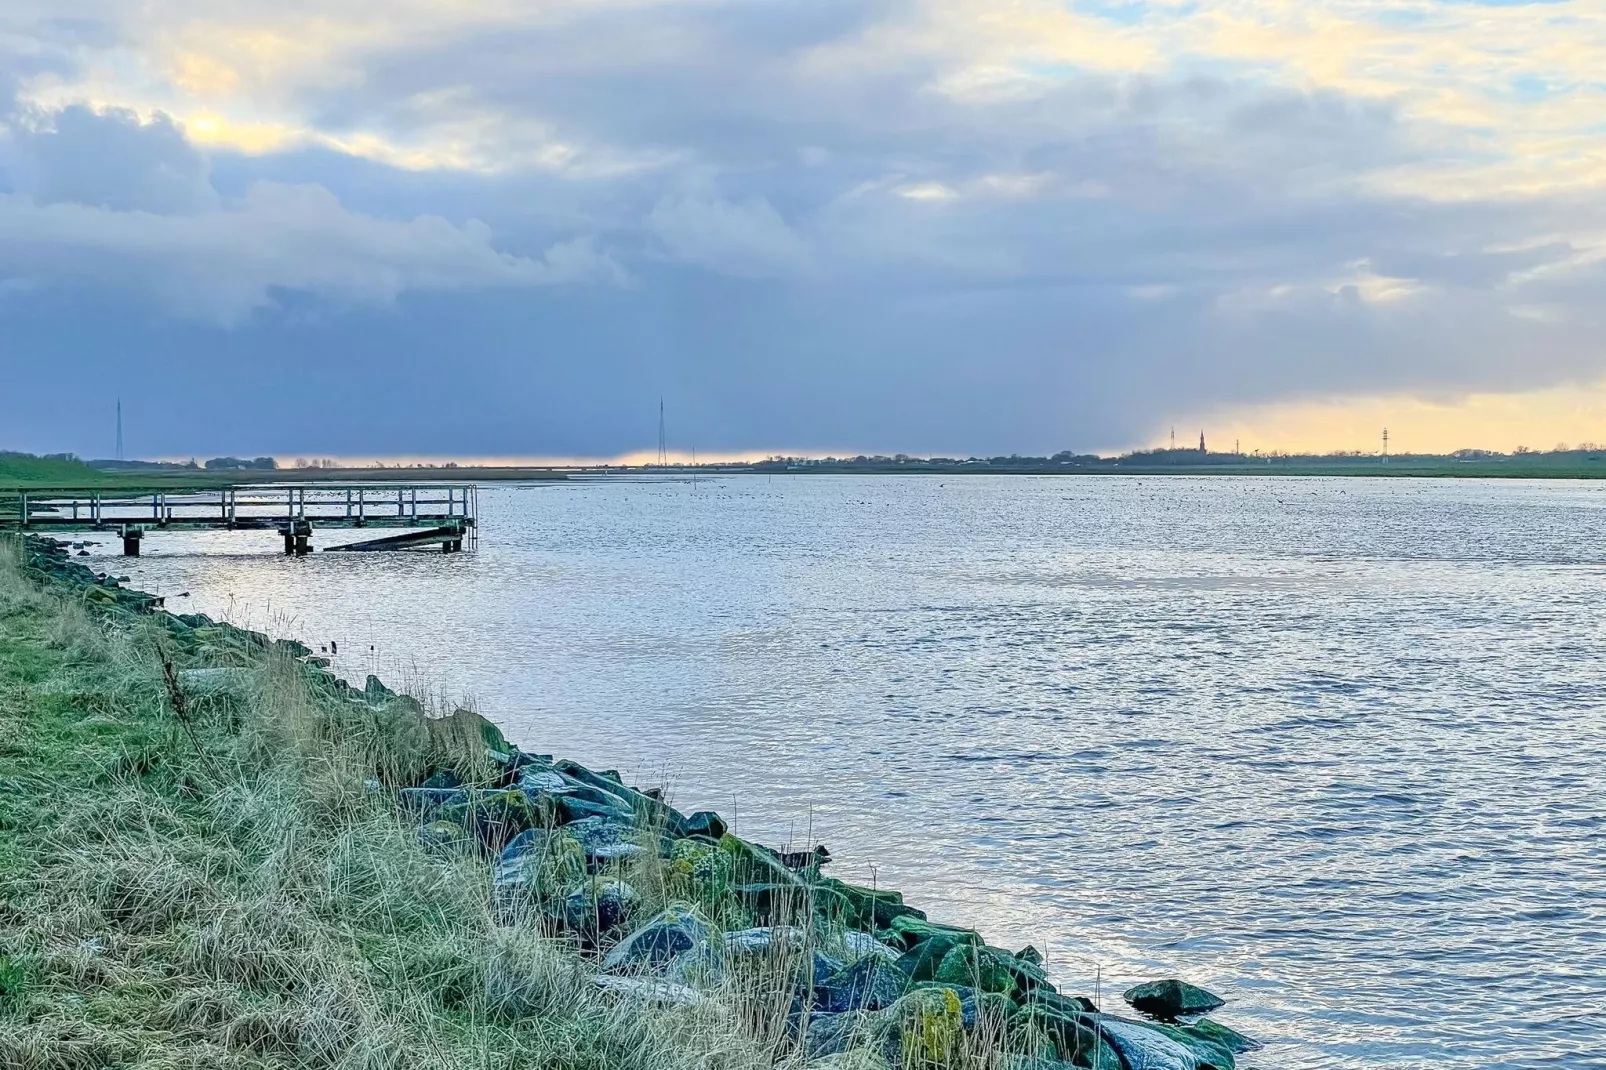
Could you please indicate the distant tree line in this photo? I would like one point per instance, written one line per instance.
(238, 463)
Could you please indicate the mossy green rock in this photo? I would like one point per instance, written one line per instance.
(493, 817)
(1217, 1033)
(927, 1027)
(1072, 1037)
(539, 862)
(909, 931)
(677, 931)
(977, 966)
(870, 909)
(600, 906)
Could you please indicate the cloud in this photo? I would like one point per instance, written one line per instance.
(111, 160)
(105, 199)
(220, 265)
(749, 239)
(1017, 226)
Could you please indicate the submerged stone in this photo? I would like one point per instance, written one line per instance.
(1171, 998)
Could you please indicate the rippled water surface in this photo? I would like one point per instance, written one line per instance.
(1335, 749)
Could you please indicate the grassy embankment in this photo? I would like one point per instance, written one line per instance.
(194, 882)
(203, 864)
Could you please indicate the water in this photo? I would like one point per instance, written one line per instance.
(1335, 749)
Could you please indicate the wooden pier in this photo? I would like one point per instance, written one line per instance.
(433, 513)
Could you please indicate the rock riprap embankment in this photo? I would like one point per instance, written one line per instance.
(868, 975)
(674, 909)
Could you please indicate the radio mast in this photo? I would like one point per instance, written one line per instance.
(119, 429)
(663, 451)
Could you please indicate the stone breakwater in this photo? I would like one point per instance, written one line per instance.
(671, 908)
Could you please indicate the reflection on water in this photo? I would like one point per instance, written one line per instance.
(1333, 748)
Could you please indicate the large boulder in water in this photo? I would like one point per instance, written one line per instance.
(1171, 999)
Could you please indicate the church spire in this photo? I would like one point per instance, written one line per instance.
(1201, 442)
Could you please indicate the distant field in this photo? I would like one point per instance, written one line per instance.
(23, 472)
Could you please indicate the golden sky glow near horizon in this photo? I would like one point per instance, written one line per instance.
(1537, 419)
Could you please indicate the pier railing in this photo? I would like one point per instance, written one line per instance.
(442, 512)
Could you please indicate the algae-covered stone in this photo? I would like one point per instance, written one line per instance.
(868, 985)
(909, 931)
(442, 836)
(600, 905)
(1215, 1032)
(927, 945)
(927, 1027)
(977, 966)
(537, 864)
(1171, 998)
(653, 946)
(831, 1033)
(494, 817)
(870, 909)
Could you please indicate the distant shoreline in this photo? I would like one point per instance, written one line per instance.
(1575, 466)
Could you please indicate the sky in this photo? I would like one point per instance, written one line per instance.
(506, 228)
